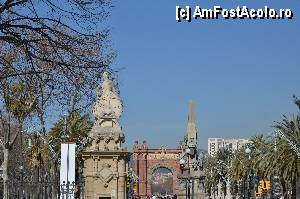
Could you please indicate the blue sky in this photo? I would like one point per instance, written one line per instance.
(240, 73)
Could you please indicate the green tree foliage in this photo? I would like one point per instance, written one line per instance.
(36, 152)
(72, 128)
(288, 142)
(217, 169)
(19, 101)
(269, 156)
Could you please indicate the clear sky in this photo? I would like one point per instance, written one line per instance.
(241, 74)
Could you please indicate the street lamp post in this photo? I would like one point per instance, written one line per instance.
(276, 190)
(248, 151)
(187, 169)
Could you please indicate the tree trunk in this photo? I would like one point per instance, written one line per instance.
(5, 173)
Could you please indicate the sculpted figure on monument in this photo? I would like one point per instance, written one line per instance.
(107, 133)
(108, 103)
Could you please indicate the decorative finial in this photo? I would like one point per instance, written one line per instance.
(108, 102)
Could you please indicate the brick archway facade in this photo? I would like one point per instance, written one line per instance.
(146, 160)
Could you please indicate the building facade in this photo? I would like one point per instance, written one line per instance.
(215, 144)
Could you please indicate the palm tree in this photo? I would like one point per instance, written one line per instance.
(278, 156)
(287, 158)
(72, 128)
(211, 179)
(247, 161)
(240, 168)
(267, 157)
(217, 170)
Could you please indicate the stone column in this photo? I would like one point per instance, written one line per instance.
(136, 168)
(121, 183)
(115, 186)
(142, 174)
(125, 183)
(89, 180)
(89, 188)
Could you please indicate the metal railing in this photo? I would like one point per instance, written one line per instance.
(27, 187)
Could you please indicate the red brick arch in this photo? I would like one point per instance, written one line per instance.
(146, 160)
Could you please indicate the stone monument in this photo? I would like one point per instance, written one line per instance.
(192, 176)
(105, 160)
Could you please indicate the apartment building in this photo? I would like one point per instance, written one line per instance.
(215, 144)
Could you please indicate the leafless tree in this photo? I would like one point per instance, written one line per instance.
(56, 49)
(9, 134)
(64, 34)
(58, 43)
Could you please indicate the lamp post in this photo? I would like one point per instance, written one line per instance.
(276, 188)
(247, 151)
(251, 174)
(185, 172)
(189, 163)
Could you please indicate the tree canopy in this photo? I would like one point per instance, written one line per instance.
(60, 48)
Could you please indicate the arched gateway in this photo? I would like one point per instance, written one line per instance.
(157, 170)
(162, 181)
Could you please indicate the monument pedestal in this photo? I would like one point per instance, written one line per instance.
(105, 160)
(105, 174)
